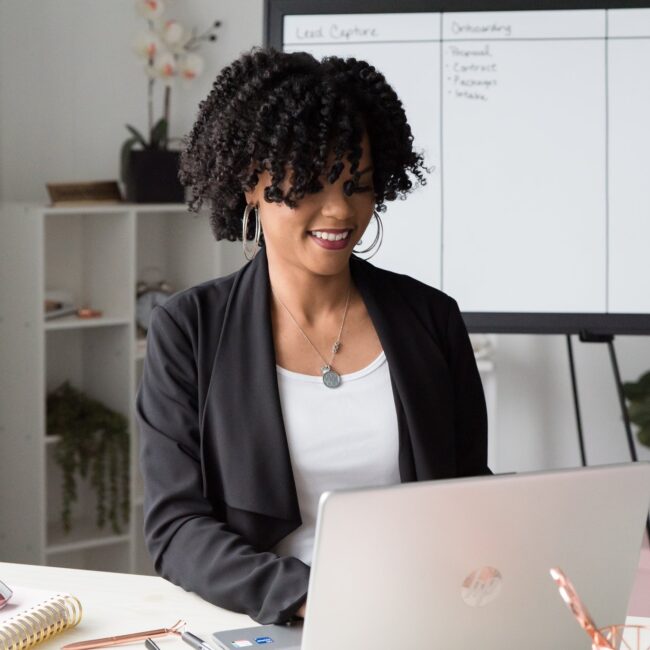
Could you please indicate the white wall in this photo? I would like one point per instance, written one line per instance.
(68, 84)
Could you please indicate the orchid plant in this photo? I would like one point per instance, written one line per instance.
(168, 52)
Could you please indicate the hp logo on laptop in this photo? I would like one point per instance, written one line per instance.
(481, 586)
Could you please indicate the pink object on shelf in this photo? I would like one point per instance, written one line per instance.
(640, 599)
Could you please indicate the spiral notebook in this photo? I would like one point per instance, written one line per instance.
(33, 615)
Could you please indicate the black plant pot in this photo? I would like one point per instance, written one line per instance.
(152, 177)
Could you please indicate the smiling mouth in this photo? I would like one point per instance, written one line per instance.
(331, 235)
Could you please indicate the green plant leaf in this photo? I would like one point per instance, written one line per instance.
(636, 390)
(138, 136)
(124, 157)
(643, 436)
(90, 433)
(159, 134)
(640, 412)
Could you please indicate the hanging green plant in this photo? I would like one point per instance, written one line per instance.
(638, 395)
(94, 440)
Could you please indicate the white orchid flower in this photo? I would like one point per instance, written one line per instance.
(165, 65)
(147, 45)
(149, 8)
(174, 34)
(191, 66)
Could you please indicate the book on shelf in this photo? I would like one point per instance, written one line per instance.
(58, 303)
(84, 193)
(60, 310)
(34, 615)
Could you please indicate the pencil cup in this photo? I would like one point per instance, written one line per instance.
(626, 637)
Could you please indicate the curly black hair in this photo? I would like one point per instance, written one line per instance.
(283, 111)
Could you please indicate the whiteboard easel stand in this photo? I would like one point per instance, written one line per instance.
(590, 337)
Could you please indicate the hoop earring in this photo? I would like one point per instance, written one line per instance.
(379, 237)
(249, 253)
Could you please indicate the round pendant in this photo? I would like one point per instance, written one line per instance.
(331, 379)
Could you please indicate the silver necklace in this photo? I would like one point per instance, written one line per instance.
(331, 378)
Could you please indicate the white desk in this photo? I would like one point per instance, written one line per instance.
(119, 603)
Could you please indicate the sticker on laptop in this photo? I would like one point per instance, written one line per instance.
(261, 640)
(242, 643)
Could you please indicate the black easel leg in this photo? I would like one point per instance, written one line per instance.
(576, 402)
(621, 399)
(626, 417)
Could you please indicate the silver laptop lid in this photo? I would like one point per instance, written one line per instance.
(464, 563)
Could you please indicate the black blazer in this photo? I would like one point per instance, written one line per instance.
(218, 486)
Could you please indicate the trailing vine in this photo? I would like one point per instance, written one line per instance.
(93, 440)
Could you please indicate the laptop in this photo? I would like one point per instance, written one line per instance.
(464, 563)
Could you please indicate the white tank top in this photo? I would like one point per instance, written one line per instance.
(344, 437)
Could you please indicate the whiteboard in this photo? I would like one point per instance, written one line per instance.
(536, 215)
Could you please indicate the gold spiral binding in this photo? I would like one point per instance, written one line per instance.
(40, 623)
(32, 623)
(43, 625)
(4, 639)
(54, 622)
(73, 610)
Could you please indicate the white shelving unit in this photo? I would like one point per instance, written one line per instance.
(98, 253)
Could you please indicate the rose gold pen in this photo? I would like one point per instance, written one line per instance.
(571, 598)
(125, 638)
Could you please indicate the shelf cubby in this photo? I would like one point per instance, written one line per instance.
(87, 254)
(173, 246)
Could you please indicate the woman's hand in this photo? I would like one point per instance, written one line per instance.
(301, 611)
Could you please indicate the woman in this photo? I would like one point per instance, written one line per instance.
(309, 368)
